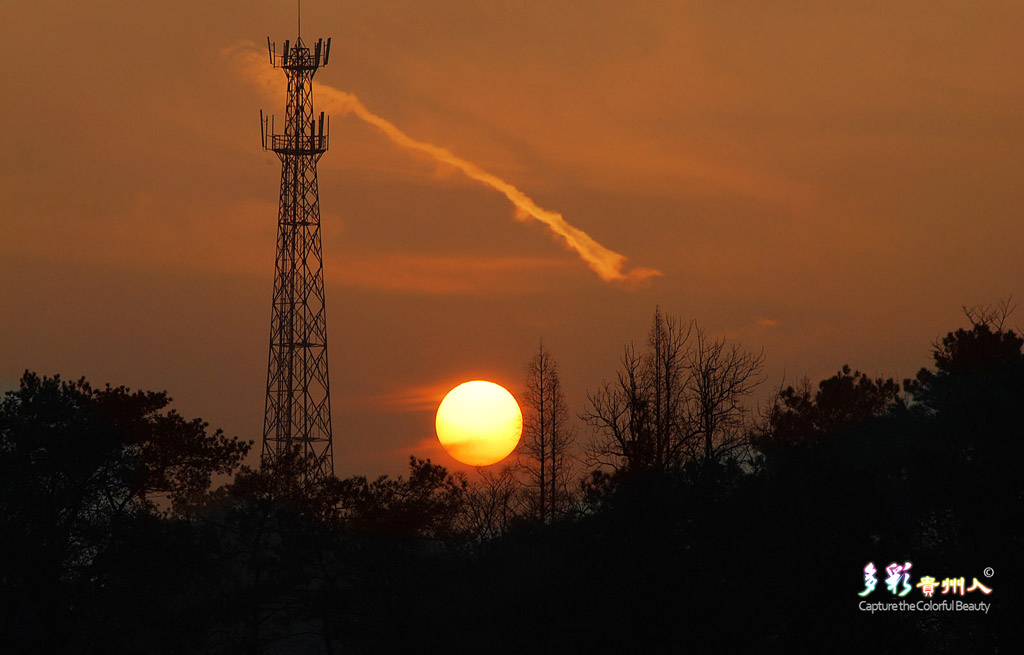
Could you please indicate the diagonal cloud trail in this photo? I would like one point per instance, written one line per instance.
(608, 264)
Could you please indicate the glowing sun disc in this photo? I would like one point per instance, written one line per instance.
(479, 423)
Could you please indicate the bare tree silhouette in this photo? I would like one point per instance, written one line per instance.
(547, 437)
(682, 399)
(492, 504)
(722, 376)
(640, 419)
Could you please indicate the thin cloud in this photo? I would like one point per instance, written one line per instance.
(609, 265)
(418, 398)
(758, 325)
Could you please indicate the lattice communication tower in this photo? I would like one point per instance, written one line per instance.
(298, 406)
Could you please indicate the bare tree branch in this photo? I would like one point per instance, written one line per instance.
(683, 399)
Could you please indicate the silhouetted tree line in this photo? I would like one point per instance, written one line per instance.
(698, 523)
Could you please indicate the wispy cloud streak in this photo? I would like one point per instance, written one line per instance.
(608, 264)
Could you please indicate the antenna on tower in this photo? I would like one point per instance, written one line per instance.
(300, 19)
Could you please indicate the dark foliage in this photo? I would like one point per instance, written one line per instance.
(763, 554)
(843, 402)
(81, 470)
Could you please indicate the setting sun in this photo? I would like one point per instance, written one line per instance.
(479, 423)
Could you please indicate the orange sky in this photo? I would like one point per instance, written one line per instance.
(830, 181)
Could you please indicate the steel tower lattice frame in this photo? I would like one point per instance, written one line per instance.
(297, 414)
